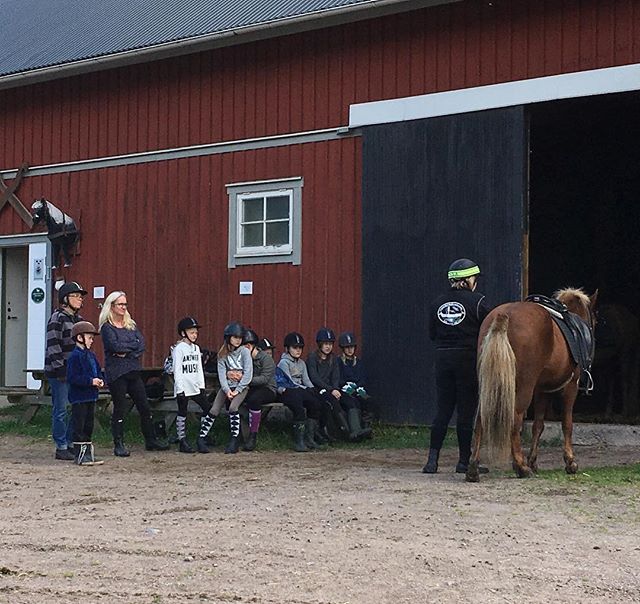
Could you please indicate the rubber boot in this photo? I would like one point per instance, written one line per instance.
(431, 467)
(298, 438)
(233, 446)
(202, 445)
(151, 443)
(119, 449)
(341, 421)
(309, 429)
(185, 447)
(250, 445)
(319, 436)
(357, 432)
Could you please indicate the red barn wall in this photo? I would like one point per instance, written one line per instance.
(307, 81)
(159, 231)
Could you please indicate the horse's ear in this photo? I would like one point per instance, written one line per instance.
(593, 299)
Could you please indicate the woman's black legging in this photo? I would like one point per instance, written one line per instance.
(130, 383)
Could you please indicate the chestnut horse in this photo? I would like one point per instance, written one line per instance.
(524, 358)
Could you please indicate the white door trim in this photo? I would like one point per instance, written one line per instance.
(520, 92)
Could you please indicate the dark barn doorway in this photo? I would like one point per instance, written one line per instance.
(584, 222)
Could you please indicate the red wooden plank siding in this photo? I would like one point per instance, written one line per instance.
(159, 232)
(307, 81)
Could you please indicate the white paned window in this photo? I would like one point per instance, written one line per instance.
(264, 222)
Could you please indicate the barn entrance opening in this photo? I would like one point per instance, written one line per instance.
(584, 230)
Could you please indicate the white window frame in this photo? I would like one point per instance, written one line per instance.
(263, 250)
(266, 254)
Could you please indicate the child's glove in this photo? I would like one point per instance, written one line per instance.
(349, 388)
(362, 393)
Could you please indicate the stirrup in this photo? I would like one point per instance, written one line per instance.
(588, 389)
(86, 454)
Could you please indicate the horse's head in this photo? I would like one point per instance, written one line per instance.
(578, 302)
(39, 210)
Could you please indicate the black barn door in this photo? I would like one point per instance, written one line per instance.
(435, 190)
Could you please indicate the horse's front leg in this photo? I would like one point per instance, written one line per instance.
(568, 399)
(539, 408)
(519, 464)
(55, 253)
(473, 472)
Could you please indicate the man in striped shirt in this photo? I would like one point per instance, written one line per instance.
(59, 347)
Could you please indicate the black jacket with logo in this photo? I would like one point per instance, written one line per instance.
(455, 319)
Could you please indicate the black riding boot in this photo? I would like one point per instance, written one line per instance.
(298, 438)
(431, 467)
(151, 443)
(357, 432)
(250, 445)
(309, 431)
(342, 424)
(119, 450)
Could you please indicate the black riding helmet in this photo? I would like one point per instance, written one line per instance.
(187, 323)
(250, 337)
(462, 268)
(265, 344)
(293, 339)
(325, 335)
(72, 287)
(347, 339)
(233, 329)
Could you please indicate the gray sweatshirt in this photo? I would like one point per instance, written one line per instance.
(240, 359)
(296, 370)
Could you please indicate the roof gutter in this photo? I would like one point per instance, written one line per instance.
(269, 29)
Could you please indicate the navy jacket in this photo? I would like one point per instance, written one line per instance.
(82, 368)
(351, 373)
(118, 340)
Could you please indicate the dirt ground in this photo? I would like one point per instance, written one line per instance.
(331, 527)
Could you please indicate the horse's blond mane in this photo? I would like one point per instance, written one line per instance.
(567, 294)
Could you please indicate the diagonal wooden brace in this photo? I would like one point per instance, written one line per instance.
(7, 194)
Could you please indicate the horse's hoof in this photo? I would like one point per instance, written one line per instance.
(524, 472)
(472, 476)
(534, 467)
(571, 468)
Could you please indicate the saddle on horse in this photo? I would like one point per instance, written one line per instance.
(576, 332)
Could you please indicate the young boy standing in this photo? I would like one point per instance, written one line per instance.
(84, 377)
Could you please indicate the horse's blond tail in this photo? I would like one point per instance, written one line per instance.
(497, 382)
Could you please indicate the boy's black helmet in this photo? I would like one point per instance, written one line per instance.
(187, 323)
(293, 339)
(462, 268)
(250, 337)
(325, 335)
(72, 287)
(347, 339)
(234, 329)
(265, 344)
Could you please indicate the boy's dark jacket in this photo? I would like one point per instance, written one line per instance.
(82, 368)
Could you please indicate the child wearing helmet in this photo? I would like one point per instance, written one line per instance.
(454, 323)
(266, 345)
(235, 371)
(325, 376)
(296, 392)
(84, 378)
(188, 380)
(352, 375)
(262, 389)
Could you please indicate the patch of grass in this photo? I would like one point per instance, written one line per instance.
(274, 435)
(604, 477)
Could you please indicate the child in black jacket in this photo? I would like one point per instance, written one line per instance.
(84, 377)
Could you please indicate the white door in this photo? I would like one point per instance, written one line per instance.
(15, 293)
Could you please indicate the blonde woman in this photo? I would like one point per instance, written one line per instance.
(123, 347)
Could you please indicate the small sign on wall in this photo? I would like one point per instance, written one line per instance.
(98, 292)
(246, 288)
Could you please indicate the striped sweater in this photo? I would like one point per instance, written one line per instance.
(59, 343)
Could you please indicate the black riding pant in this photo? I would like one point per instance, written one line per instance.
(457, 389)
(82, 415)
(258, 396)
(200, 399)
(299, 400)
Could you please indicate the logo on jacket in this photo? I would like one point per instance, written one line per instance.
(451, 313)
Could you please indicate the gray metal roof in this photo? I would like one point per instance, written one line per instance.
(36, 34)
